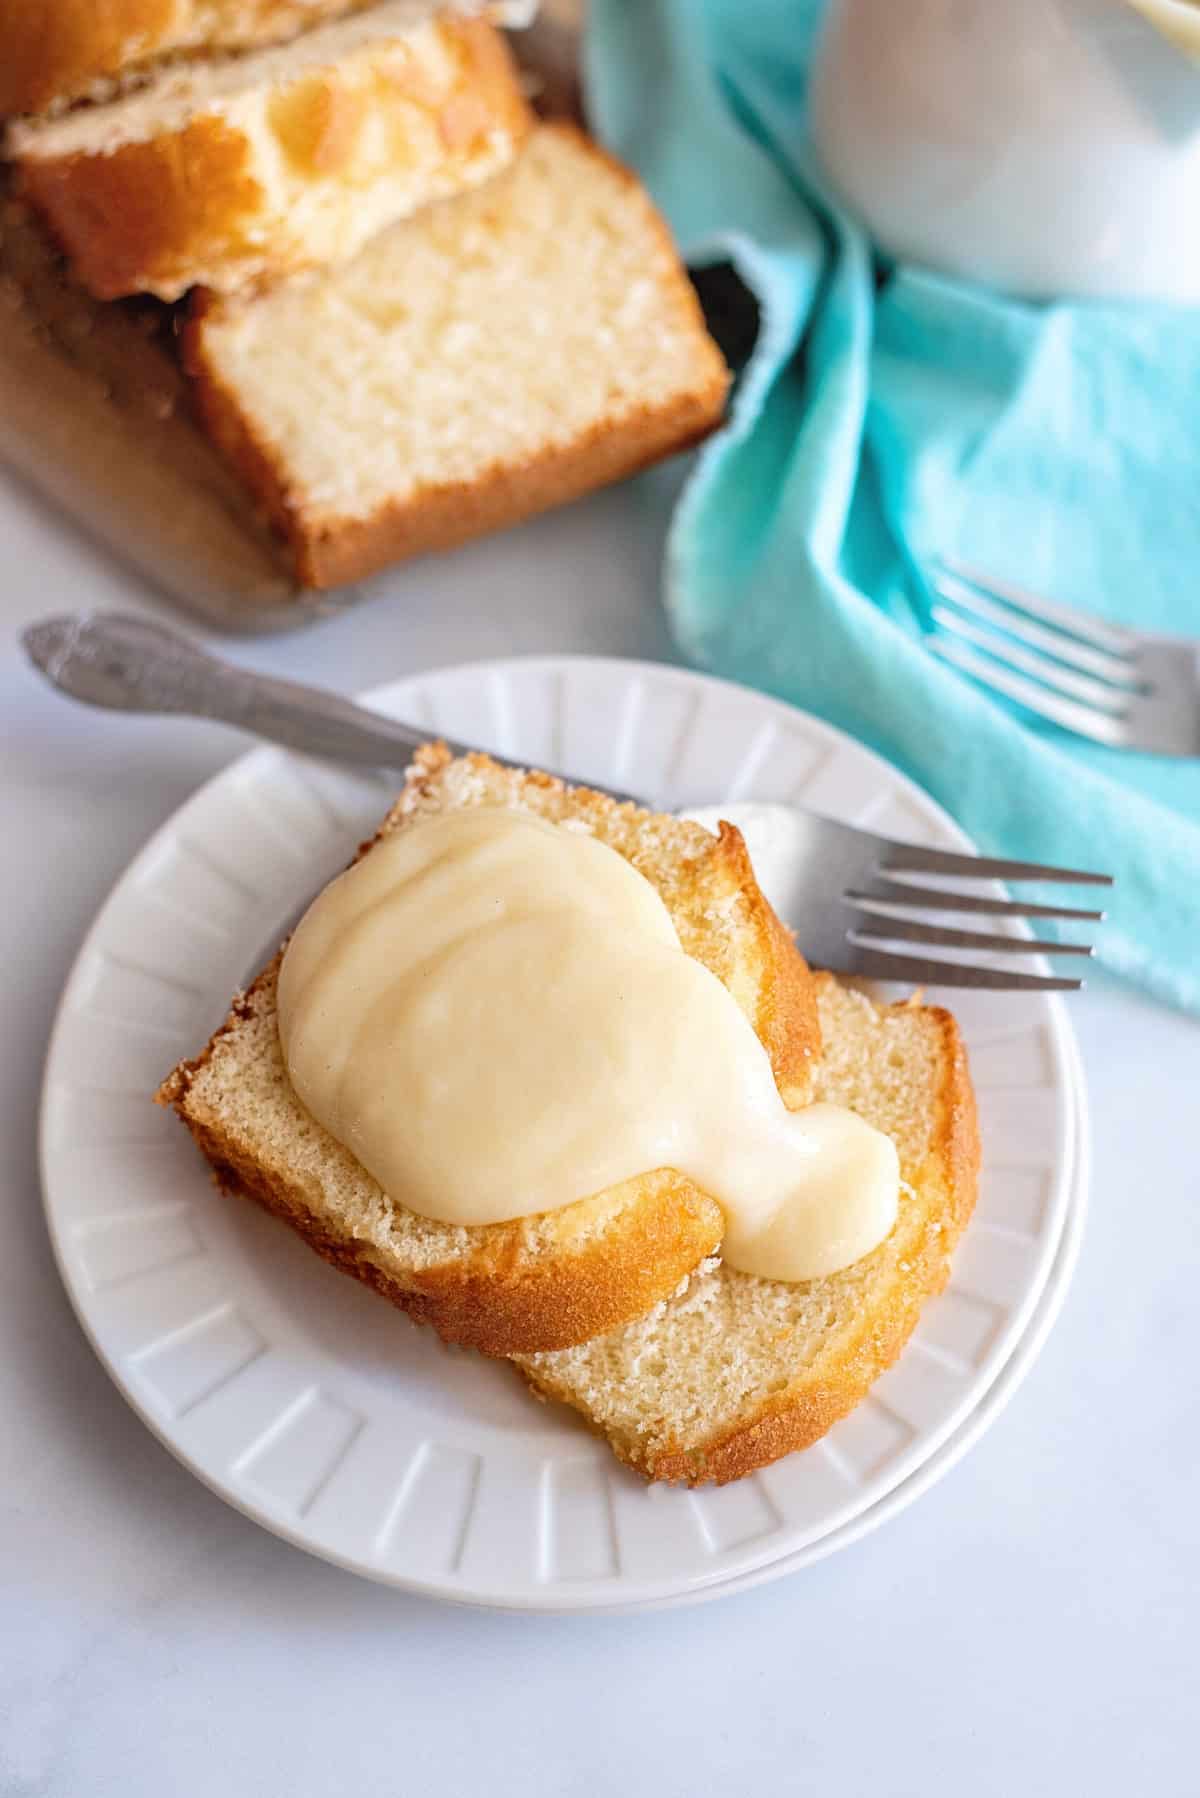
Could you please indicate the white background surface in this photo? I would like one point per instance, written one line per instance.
(1027, 1627)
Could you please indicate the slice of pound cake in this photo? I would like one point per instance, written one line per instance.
(56, 51)
(229, 172)
(491, 357)
(735, 1371)
(539, 1281)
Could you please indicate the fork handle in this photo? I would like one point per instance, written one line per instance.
(131, 664)
(155, 669)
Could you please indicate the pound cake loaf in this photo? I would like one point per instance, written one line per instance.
(491, 357)
(538, 1282)
(229, 172)
(736, 1371)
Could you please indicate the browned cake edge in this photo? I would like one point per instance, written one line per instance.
(61, 50)
(499, 1301)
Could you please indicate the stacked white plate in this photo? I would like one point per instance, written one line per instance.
(323, 1413)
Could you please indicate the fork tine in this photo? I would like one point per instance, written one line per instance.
(906, 858)
(1029, 661)
(914, 930)
(1120, 671)
(1083, 625)
(1068, 713)
(889, 896)
(881, 964)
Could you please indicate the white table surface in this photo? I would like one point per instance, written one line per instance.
(1027, 1627)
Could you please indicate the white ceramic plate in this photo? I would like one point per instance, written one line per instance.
(324, 1414)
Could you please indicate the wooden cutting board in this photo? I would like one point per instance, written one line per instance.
(95, 414)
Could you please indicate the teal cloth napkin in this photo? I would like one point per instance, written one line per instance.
(881, 422)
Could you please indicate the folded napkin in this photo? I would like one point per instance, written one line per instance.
(887, 416)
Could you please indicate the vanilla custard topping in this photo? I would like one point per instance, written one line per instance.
(495, 1016)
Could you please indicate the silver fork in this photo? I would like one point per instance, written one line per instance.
(857, 896)
(1126, 688)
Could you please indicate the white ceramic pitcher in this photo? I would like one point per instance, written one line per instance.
(1043, 146)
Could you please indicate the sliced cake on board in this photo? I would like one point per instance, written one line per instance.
(496, 355)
